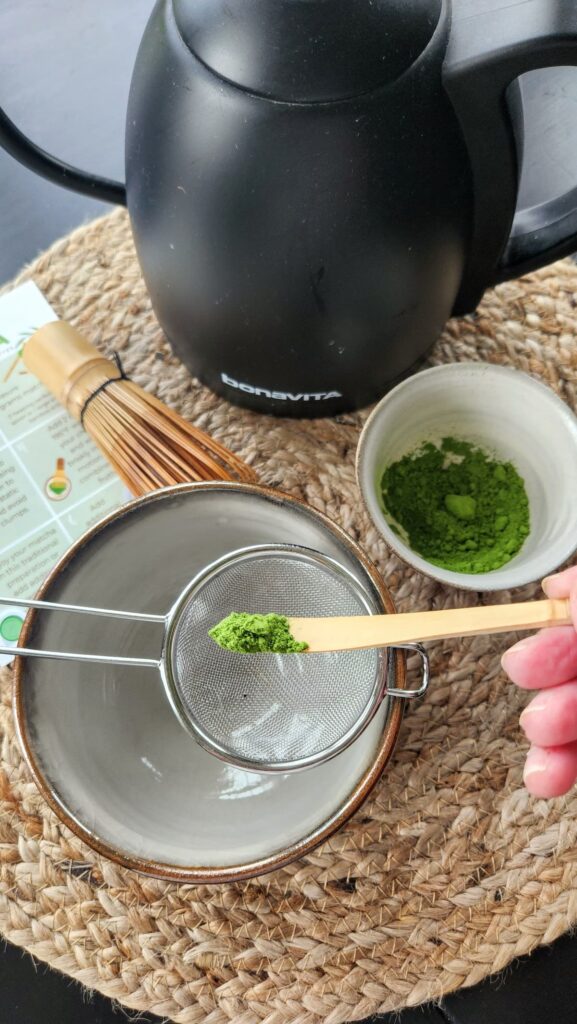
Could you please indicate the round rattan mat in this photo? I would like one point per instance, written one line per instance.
(448, 871)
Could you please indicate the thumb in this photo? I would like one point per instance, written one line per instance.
(562, 585)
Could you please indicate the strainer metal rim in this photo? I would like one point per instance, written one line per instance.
(378, 693)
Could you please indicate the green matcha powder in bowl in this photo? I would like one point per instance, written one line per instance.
(469, 473)
(459, 507)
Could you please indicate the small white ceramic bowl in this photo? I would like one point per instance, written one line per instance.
(508, 413)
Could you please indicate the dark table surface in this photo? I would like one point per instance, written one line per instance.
(64, 76)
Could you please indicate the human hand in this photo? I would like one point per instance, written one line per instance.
(547, 662)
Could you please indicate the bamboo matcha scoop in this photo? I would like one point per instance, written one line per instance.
(252, 634)
(363, 631)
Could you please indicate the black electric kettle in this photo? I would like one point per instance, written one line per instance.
(315, 186)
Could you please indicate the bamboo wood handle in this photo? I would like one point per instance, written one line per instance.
(67, 364)
(362, 631)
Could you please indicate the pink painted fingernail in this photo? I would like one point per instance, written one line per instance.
(522, 644)
(531, 709)
(517, 648)
(549, 579)
(537, 761)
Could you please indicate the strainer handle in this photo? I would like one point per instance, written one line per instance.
(421, 690)
(57, 606)
(102, 659)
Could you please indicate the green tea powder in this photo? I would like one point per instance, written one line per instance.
(460, 508)
(250, 634)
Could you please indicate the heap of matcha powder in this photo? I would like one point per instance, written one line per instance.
(460, 508)
(251, 634)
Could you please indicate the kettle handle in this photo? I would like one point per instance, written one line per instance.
(489, 48)
(50, 167)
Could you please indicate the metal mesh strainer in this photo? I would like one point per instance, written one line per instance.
(272, 710)
(266, 712)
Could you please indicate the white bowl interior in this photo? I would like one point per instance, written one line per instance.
(115, 756)
(508, 413)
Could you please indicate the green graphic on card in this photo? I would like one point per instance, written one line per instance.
(54, 484)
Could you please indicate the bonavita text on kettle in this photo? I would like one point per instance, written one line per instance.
(281, 396)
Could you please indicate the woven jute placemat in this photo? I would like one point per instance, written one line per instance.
(448, 872)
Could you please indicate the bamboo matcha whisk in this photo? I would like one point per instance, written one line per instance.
(148, 444)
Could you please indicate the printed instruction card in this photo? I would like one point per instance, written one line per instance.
(54, 483)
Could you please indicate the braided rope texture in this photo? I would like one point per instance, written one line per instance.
(448, 872)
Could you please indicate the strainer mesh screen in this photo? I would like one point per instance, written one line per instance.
(270, 708)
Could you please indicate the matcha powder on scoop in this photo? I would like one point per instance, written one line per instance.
(252, 634)
(460, 508)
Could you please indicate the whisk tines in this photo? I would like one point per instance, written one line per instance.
(148, 444)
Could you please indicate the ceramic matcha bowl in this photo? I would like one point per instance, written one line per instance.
(510, 415)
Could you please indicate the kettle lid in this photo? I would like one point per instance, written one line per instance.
(307, 50)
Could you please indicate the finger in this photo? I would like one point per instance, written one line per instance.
(545, 659)
(550, 720)
(561, 584)
(550, 771)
